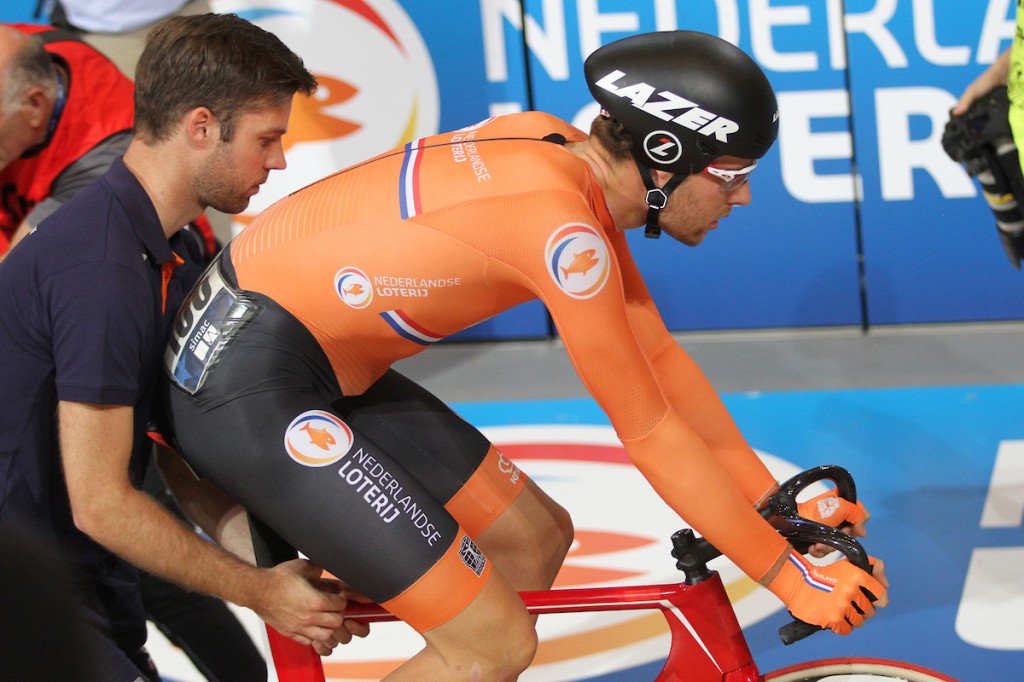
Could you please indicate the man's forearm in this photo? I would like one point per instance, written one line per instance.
(96, 443)
(213, 510)
(141, 531)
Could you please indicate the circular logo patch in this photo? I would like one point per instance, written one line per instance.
(578, 260)
(663, 147)
(354, 287)
(316, 439)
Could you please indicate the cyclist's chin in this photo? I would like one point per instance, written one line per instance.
(691, 238)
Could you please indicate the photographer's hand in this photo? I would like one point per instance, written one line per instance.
(991, 78)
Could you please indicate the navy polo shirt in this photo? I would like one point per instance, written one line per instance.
(82, 319)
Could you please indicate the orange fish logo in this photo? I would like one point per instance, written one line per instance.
(578, 260)
(319, 437)
(583, 262)
(316, 438)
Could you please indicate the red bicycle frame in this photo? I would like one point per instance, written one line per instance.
(707, 641)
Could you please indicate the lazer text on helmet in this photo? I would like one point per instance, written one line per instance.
(693, 116)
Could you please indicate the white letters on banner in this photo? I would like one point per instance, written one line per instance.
(547, 40)
(799, 147)
(991, 612)
(873, 25)
(924, 34)
(593, 23)
(899, 155)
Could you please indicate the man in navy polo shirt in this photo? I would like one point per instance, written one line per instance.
(86, 302)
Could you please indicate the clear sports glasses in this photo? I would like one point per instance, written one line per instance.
(732, 178)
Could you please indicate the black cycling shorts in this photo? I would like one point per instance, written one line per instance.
(366, 486)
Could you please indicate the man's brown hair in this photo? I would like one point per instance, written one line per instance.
(218, 61)
(612, 136)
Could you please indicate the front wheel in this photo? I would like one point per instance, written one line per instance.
(856, 670)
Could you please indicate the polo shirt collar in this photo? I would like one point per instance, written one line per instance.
(141, 212)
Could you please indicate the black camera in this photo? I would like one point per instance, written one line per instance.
(982, 141)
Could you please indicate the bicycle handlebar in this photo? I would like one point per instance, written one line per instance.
(781, 512)
(693, 553)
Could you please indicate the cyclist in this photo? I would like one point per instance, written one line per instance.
(280, 387)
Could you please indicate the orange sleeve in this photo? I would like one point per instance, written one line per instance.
(690, 479)
(696, 401)
(691, 395)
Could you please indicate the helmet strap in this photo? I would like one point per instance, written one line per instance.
(657, 198)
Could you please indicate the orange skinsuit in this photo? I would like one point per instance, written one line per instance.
(382, 259)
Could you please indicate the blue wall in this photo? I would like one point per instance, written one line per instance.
(861, 108)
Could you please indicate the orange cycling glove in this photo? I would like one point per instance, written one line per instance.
(832, 510)
(838, 596)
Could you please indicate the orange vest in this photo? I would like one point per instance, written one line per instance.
(99, 104)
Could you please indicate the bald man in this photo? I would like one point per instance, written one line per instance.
(65, 114)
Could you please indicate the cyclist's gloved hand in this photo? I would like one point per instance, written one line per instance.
(832, 510)
(839, 596)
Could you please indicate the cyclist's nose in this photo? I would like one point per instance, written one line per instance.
(740, 196)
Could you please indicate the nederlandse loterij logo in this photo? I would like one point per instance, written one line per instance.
(577, 259)
(316, 439)
(354, 287)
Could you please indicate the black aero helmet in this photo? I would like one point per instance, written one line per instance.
(685, 98)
